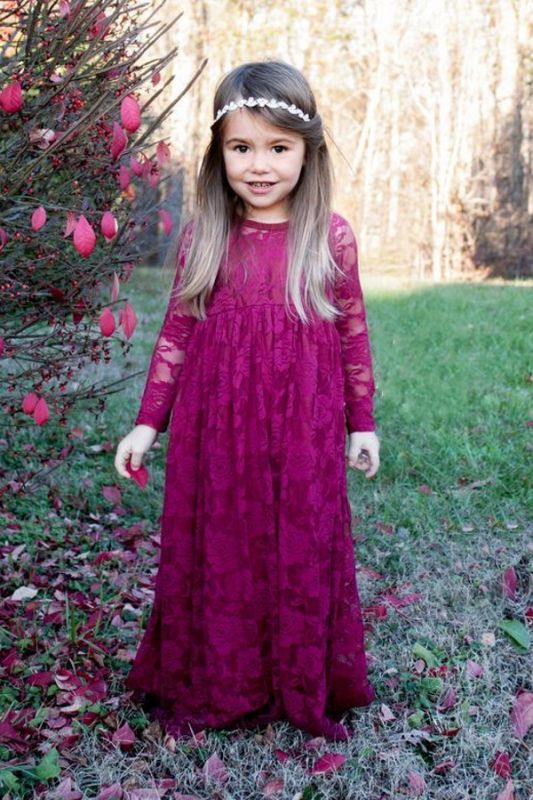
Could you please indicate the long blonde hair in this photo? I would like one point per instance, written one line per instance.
(217, 205)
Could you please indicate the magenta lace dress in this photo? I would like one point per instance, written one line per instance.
(256, 613)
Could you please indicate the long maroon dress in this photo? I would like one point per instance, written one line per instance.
(256, 613)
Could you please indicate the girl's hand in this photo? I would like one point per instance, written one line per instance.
(135, 444)
(363, 452)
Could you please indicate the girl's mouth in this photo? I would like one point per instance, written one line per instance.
(260, 186)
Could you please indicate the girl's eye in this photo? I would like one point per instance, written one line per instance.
(277, 147)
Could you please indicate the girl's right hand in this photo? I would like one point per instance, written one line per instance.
(135, 444)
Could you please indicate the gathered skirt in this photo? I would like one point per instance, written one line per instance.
(256, 614)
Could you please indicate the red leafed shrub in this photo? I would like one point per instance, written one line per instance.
(76, 167)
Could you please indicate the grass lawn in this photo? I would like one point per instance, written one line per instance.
(436, 530)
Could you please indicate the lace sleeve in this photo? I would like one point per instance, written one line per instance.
(168, 355)
(359, 384)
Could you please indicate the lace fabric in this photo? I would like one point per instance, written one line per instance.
(256, 613)
(169, 351)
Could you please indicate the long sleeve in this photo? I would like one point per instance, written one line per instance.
(168, 355)
(359, 386)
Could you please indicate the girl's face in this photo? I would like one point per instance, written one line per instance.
(263, 164)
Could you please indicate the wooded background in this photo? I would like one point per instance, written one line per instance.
(428, 108)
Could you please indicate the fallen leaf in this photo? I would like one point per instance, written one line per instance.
(112, 792)
(215, 769)
(509, 583)
(473, 669)
(112, 493)
(444, 766)
(417, 784)
(124, 737)
(327, 763)
(24, 593)
(507, 793)
(449, 700)
(522, 713)
(272, 787)
(501, 764)
(386, 714)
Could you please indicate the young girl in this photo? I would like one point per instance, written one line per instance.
(264, 360)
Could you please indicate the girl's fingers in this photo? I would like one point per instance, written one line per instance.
(135, 462)
(121, 459)
(366, 461)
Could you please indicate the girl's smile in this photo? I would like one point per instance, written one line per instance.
(263, 164)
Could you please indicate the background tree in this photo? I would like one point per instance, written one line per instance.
(430, 108)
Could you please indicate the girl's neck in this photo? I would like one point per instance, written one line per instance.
(260, 224)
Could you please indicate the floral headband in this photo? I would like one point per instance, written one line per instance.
(261, 101)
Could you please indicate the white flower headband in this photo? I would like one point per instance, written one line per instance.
(261, 101)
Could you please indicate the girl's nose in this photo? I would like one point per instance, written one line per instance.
(260, 162)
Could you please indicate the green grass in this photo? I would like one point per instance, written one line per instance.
(453, 400)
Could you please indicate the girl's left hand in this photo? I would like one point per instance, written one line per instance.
(363, 452)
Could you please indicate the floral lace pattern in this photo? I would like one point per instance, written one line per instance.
(256, 612)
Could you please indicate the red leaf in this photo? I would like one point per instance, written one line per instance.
(386, 714)
(84, 237)
(507, 793)
(379, 611)
(180, 796)
(449, 700)
(124, 737)
(162, 153)
(444, 766)
(38, 218)
(107, 322)
(166, 219)
(109, 226)
(327, 763)
(136, 166)
(501, 765)
(424, 489)
(112, 493)
(140, 475)
(156, 77)
(124, 177)
(64, 8)
(130, 114)
(128, 319)
(11, 98)
(112, 792)
(29, 401)
(40, 412)
(509, 583)
(399, 602)
(417, 784)
(473, 669)
(215, 769)
(272, 787)
(115, 288)
(70, 223)
(1, 345)
(119, 141)
(522, 713)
